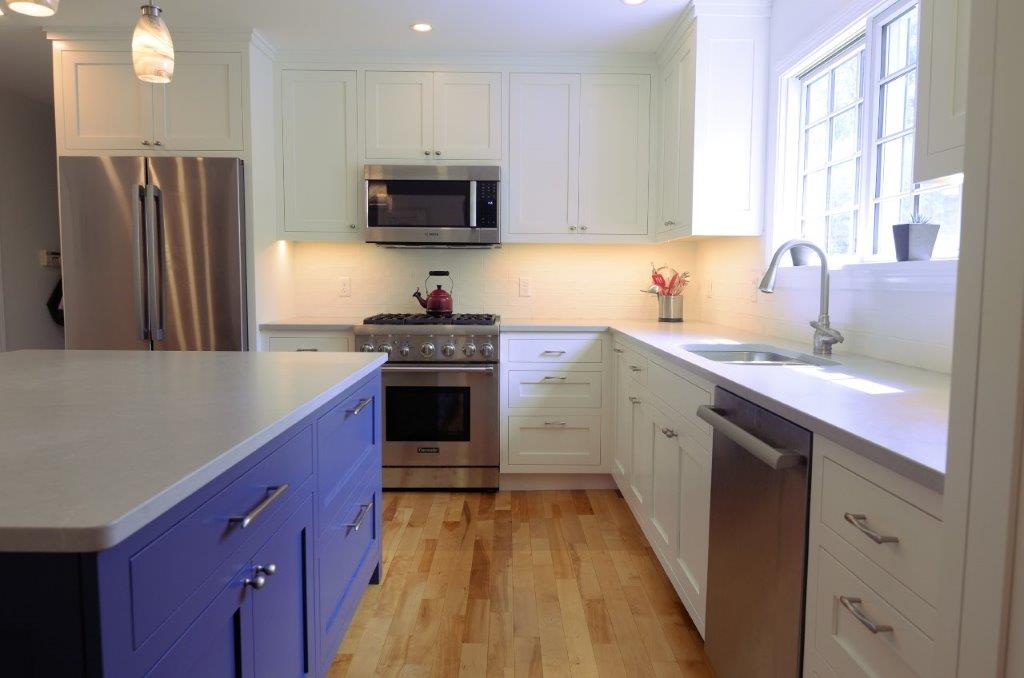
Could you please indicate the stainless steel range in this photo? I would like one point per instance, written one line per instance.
(440, 399)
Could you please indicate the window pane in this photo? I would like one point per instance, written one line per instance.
(942, 207)
(814, 229)
(842, 230)
(842, 189)
(815, 189)
(847, 82)
(896, 166)
(845, 134)
(899, 43)
(816, 147)
(899, 104)
(817, 99)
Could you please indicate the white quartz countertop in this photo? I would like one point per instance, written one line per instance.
(96, 444)
(311, 323)
(894, 415)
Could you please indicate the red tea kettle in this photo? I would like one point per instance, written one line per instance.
(438, 301)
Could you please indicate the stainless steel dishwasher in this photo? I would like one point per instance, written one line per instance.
(760, 484)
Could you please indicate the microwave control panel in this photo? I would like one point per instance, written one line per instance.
(487, 204)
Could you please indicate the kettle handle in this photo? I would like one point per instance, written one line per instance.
(432, 274)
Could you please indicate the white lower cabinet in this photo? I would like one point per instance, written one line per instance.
(312, 341)
(554, 388)
(555, 439)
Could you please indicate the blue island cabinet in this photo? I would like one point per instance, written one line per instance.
(255, 575)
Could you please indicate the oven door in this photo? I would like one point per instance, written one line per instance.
(441, 416)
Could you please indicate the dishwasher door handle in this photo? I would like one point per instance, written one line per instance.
(773, 457)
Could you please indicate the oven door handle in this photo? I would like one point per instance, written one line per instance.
(442, 369)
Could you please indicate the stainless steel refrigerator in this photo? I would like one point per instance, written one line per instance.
(153, 253)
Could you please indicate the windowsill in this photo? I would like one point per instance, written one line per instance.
(937, 276)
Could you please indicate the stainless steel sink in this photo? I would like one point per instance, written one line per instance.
(755, 354)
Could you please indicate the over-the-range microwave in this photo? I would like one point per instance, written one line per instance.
(439, 205)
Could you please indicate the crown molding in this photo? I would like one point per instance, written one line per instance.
(639, 60)
(180, 35)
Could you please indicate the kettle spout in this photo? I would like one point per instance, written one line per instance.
(419, 297)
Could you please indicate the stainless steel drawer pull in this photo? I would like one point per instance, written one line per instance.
(554, 423)
(634, 400)
(552, 378)
(852, 604)
(619, 350)
(669, 433)
(634, 368)
(364, 510)
(306, 350)
(275, 494)
(762, 451)
(550, 352)
(858, 520)
(361, 406)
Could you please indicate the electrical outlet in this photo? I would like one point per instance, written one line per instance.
(345, 286)
(525, 287)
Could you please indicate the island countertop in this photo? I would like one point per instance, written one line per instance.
(96, 444)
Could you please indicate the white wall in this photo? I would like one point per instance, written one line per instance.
(903, 315)
(28, 222)
(568, 281)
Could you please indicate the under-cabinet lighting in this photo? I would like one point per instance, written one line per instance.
(633, 2)
(42, 8)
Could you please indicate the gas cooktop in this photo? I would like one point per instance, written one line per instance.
(424, 319)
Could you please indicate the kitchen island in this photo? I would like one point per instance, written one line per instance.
(173, 513)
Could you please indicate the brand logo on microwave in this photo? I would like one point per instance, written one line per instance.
(434, 234)
(428, 450)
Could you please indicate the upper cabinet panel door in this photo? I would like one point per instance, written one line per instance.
(669, 203)
(615, 128)
(399, 115)
(544, 138)
(105, 106)
(467, 116)
(942, 88)
(318, 111)
(201, 108)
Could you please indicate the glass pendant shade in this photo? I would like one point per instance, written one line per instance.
(152, 49)
(42, 8)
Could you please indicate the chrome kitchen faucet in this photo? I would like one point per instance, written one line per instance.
(824, 335)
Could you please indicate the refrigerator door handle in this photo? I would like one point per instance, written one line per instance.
(759, 449)
(138, 284)
(154, 262)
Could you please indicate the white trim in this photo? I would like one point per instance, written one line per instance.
(556, 481)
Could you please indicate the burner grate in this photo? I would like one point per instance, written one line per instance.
(424, 319)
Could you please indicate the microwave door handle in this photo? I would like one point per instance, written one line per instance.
(366, 201)
(472, 204)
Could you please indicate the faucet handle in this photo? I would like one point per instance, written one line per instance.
(832, 336)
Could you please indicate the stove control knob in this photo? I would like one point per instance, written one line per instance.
(448, 350)
(404, 350)
(385, 348)
(487, 350)
(368, 348)
(469, 350)
(427, 349)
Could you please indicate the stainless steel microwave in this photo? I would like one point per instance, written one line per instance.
(439, 205)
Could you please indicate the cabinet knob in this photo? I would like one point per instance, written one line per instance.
(257, 582)
(437, 152)
(426, 152)
(670, 223)
(572, 228)
(352, 226)
(583, 228)
(270, 569)
(145, 142)
(158, 143)
(669, 433)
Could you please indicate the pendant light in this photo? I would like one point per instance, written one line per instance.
(152, 49)
(41, 8)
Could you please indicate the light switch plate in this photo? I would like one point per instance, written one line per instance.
(525, 287)
(345, 286)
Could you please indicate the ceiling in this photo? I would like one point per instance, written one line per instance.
(359, 25)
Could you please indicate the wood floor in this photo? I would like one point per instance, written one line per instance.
(545, 583)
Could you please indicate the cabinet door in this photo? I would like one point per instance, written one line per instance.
(678, 148)
(105, 106)
(667, 461)
(942, 88)
(625, 416)
(399, 114)
(544, 138)
(321, 164)
(201, 108)
(615, 126)
(694, 519)
(564, 440)
(283, 608)
(670, 137)
(217, 644)
(641, 462)
(467, 116)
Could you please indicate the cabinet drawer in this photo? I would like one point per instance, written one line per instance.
(567, 440)
(913, 560)
(634, 365)
(555, 350)
(554, 388)
(344, 434)
(167, 571)
(325, 342)
(682, 395)
(846, 642)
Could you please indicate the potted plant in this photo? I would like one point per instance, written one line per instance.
(916, 240)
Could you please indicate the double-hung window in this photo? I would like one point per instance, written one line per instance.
(851, 118)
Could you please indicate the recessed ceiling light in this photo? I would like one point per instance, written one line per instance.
(42, 8)
(633, 2)
(422, 28)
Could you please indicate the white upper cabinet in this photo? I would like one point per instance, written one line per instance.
(201, 108)
(714, 88)
(320, 159)
(440, 115)
(399, 114)
(467, 116)
(105, 107)
(614, 154)
(544, 154)
(942, 88)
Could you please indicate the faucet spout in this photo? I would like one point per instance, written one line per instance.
(824, 335)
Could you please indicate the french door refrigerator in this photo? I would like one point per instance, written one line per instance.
(153, 253)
